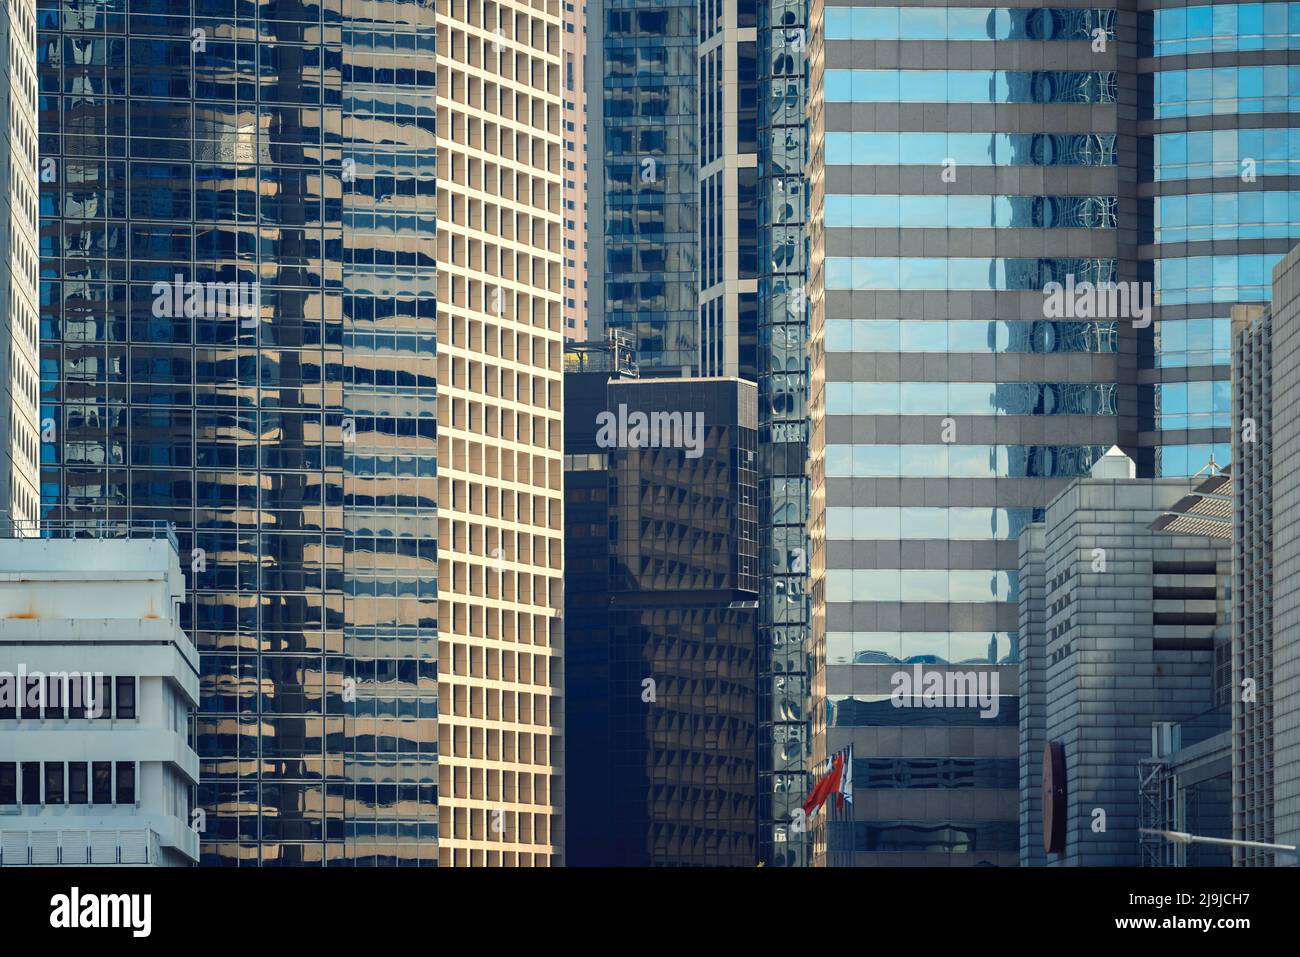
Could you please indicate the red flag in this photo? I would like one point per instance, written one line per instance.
(825, 787)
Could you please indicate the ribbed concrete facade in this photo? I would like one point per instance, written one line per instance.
(1117, 634)
(1032, 677)
(1285, 677)
(1252, 593)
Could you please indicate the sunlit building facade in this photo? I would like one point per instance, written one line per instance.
(19, 423)
(500, 474)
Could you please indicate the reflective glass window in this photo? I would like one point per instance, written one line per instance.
(970, 149)
(969, 86)
(966, 23)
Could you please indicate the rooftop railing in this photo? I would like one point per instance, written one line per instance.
(93, 528)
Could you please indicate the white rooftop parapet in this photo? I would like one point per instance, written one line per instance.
(73, 578)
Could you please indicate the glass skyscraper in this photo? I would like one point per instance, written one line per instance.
(644, 164)
(238, 330)
(954, 180)
(1220, 106)
(698, 142)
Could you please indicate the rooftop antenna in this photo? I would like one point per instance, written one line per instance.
(1211, 467)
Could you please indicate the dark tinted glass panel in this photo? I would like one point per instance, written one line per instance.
(102, 705)
(32, 698)
(945, 773)
(936, 838)
(78, 783)
(57, 691)
(31, 782)
(125, 783)
(125, 697)
(53, 782)
(102, 782)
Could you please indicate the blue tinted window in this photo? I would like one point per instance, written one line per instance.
(1216, 278)
(1226, 27)
(970, 149)
(965, 23)
(891, 211)
(1229, 216)
(1181, 460)
(863, 523)
(1227, 90)
(961, 461)
(968, 86)
(921, 585)
(955, 273)
(965, 335)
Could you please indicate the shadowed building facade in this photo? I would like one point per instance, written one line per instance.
(1266, 655)
(661, 605)
(1125, 670)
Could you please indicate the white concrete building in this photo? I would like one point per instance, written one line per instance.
(97, 682)
(19, 317)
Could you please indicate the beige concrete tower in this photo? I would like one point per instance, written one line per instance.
(573, 48)
(499, 449)
(19, 425)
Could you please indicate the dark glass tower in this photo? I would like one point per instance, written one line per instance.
(661, 603)
(645, 167)
(280, 153)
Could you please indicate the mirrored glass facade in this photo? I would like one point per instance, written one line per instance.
(1225, 28)
(239, 326)
(948, 405)
(967, 23)
(645, 137)
(1220, 215)
(783, 485)
(703, 265)
(937, 225)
